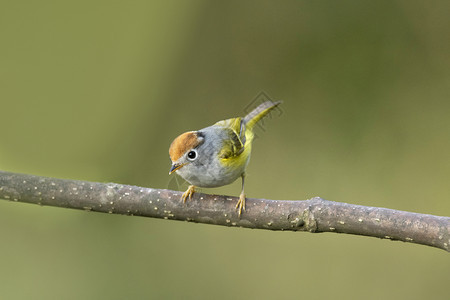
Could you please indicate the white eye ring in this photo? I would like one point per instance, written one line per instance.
(192, 155)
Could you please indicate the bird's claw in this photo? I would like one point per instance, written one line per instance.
(240, 206)
(188, 194)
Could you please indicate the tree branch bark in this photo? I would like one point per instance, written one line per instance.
(314, 215)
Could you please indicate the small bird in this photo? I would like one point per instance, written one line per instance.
(217, 155)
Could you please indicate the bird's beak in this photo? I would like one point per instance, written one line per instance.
(175, 167)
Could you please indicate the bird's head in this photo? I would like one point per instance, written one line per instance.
(183, 150)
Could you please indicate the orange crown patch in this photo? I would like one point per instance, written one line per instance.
(183, 143)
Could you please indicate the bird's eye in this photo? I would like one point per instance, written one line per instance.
(192, 155)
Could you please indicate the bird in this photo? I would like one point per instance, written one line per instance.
(217, 155)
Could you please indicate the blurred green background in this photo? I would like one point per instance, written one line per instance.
(97, 90)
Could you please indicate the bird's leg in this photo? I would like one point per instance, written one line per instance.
(241, 203)
(188, 194)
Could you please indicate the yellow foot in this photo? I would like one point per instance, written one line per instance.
(241, 204)
(188, 194)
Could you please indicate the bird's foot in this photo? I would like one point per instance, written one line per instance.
(240, 206)
(188, 194)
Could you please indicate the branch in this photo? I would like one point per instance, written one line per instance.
(314, 215)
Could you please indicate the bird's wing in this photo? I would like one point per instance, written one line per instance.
(233, 144)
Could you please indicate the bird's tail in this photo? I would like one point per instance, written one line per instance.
(258, 113)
